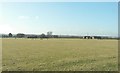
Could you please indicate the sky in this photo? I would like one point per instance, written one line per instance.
(62, 18)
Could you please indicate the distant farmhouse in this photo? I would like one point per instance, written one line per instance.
(20, 35)
(92, 37)
(88, 37)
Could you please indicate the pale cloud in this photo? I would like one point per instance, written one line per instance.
(27, 17)
(36, 17)
(23, 17)
(5, 28)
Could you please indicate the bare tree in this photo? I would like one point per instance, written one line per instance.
(49, 34)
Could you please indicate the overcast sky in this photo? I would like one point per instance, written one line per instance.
(70, 18)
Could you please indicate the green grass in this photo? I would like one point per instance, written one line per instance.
(59, 55)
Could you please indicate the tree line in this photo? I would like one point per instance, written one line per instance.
(49, 35)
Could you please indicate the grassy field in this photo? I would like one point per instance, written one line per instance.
(59, 55)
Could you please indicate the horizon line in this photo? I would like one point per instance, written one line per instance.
(61, 34)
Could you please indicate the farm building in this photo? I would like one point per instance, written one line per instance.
(92, 37)
(20, 35)
(88, 37)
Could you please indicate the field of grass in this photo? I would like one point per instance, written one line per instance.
(59, 55)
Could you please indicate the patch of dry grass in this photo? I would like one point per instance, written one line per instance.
(60, 55)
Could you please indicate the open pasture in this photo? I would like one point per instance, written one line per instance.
(59, 55)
